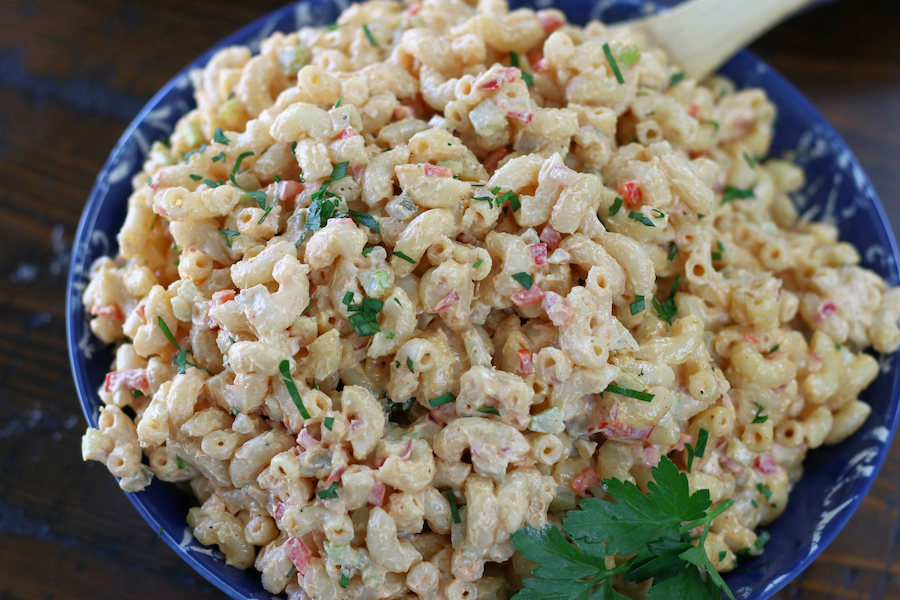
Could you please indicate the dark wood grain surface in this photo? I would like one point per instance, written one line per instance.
(74, 72)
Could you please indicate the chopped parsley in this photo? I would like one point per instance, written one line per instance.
(188, 156)
(762, 539)
(718, 255)
(698, 450)
(638, 305)
(179, 462)
(615, 207)
(218, 157)
(237, 165)
(285, 368)
(328, 422)
(228, 235)
(219, 137)
(643, 396)
(369, 35)
(524, 279)
(339, 102)
(667, 310)
(490, 410)
(642, 219)
(673, 249)
(195, 177)
(409, 365)
(759, 417)
(402, 256)
(510, 197)
(368, 251)
(136, 394)
(732, 193)
(454, 510)
(612, 63)
(751, 160)
(329, 492)
(365, 219)
(676, 79)
(445, 398)
(345, 577)
(764, 490)
(478, 263)
(322, 208)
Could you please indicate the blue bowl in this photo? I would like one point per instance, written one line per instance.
(836, 478)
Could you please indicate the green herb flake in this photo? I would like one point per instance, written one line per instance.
(368, 251)
(345, 577)
(643, 396)
(328, 422)
(329, 492)
(751, 161)
(612, 63)
(676, 79)
(369, 35)
(762, 539)
(615, 207)
(288, 380)
(753, 502)
(490, 410)
(445, 398)
(402, 256)
(237, 165)
(722, 555)
(218, 157)
(478, 263)
(365, 219)
(179, 462)
(234, 409)
(219, 137)
(195, 177)
(764, 490)
(136, 394)
(733, 193)
(167, 333)
(339, 102)
(390, 335)
(642, 219)
(409, 365)
(759, 417)
(638, 305)
(524, 279)
(673, 249)
(364, 324)
(228, 235)
(629, 55)
(454, 510)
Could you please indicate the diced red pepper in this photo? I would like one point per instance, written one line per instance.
(765, 464)
(279, 510)
(750, 339)
(525, 297)
(287, 189)
(110, 310)
(630, 193)
(550, 237)
(132, 379)
(538, 254)
(299, 554)
(524, 117)
(403, 112)
(221, 297)
(335, 475)
(493, 159)
(526, 366)
(446, 302)
(694, 110)
(585, 481)
(346, 133)
(732, 466)
(358, 171)
(550, 22)
(826, 311)
(503, 76)
(435, 171)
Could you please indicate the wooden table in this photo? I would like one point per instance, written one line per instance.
(74, 72)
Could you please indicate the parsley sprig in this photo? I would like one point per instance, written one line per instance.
(667, 310)
(181, 361)
(655, 529)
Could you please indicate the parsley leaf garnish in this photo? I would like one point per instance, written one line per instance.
(454, 511)
(179, 462)
(403, 256)
(654, 528)
(673, 249)
(328, 422)
(524, 279)
(490, 410)
(698, 450)
(195, 177)
(218, 157)
(365, 219)
(478, 263)
(237, 165)
(321, 209)
(667, 310)
(189, 154)
(676, 79)
(642, 219)
(339, 102)
(409, 365)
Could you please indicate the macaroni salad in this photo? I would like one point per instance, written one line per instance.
(399, 287)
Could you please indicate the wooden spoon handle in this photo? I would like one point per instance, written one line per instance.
(700, 35)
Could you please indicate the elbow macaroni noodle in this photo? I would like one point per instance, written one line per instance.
(385, 298)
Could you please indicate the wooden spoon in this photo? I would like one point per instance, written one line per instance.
(700, 35)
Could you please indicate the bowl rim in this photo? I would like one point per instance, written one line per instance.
(92, 209)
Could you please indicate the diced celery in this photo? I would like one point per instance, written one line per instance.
(487, 119)
(292, 59)
(183, 301)
(625, 340)
(565, 499)
(342, 554)
(232, 112)
(454, 165)
(739, 453)
(193, 135)
(628, 56)
(376, 282)
(549, 421)
(93, 445)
